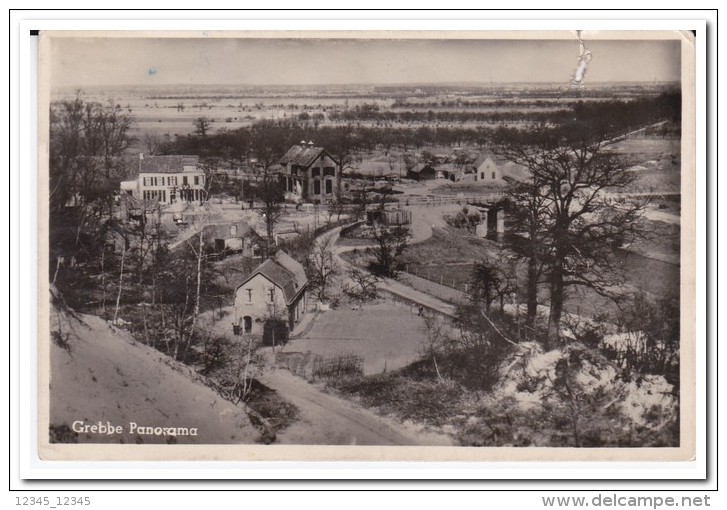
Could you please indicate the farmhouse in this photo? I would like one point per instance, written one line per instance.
(167, 179)
(486, 169)
(274, 291)
(455, 173)
(490, 168)
(311, 173)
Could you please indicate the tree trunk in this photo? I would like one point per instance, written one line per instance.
(532, 291)
(141, 300)
(121, 281)
(197, 296)
(103, 279)
(556, 304)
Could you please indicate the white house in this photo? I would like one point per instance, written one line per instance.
(276, 289)
(167, 179)
(486, 169)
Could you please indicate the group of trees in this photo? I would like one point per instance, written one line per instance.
(566, 219)
(86, 140)
(236, 147)
(107, 252)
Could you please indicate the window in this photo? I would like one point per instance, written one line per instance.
(164, 195)
(315, 172)
(493, 175)
(184, 180)
(329, 187)
(143, 181)
(272, 295)
(316, 187)
(482, 176)
(196, 180)
(329, 171)
(249, 295)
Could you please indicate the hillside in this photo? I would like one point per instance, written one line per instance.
(100, 374)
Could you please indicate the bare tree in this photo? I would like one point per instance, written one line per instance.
(580, 219)
(271, 192)
(528, 215)
(391, 242)
(322, 268)
(364, 286)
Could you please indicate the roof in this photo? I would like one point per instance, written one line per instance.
(293, 266)
(302, 155)
(379, 167)
(484, 157)
(420, 167)
(222, 230)
(283, 272)
(167, 164)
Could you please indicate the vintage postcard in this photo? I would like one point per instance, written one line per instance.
(387, 246)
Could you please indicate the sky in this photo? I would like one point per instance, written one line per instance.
(79, 62)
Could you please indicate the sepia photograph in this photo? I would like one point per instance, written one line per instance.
(403, 245)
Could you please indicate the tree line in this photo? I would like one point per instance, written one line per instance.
(236, 147)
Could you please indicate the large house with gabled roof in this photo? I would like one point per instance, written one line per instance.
(275, 290)
(311, 173)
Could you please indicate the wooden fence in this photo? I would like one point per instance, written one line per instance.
(337, 366)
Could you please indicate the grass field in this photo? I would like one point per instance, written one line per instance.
(448, 257)
(386, 334)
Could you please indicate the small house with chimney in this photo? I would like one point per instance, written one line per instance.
(275, 292)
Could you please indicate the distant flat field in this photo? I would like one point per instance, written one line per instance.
(650, 145)
(387, 335)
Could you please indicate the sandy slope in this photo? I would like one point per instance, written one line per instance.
(108, 377)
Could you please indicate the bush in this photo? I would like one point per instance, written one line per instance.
(433, 402)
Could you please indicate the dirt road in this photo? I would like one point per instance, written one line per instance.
(329, 420)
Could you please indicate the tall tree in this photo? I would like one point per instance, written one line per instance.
(201, 126)
(271, 192)
(580, 219)
(268, 147)
(528, 213)
(322, 268)
(391, 241)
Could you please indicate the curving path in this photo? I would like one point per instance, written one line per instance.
(329, 420)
